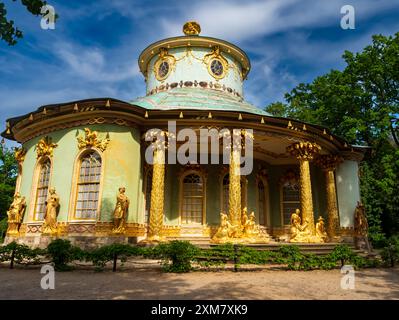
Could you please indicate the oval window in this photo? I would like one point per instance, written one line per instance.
(163, 69)
(217, 67)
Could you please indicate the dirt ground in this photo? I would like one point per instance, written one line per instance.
(144, 280)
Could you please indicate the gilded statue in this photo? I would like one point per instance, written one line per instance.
(321, 230)
(250, 228)
(15, 214)
(224, 230)
(299, 232)
(361, 228)
(244, 216)
(120, 212)
(360, 224)
(50, 216)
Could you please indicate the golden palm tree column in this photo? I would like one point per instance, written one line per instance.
(157, 196)
(328, 163)
(304, 152)
(235, 187)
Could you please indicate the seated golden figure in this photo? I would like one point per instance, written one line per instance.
(250, 228)
(320, 230)
(299, 232)
(224, 230)
(120, 212)
(15, 214)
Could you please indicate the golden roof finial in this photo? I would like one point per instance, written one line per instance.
(191, 28)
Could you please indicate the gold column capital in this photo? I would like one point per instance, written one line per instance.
(304, 150)
(328, 162)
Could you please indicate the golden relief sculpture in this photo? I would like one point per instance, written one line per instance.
(304, 152)
(50, 216)
(15, 214)
(91, 140)
(191, 28)
(19, 154)
(45, 147)
(245, 232)
(120, 212)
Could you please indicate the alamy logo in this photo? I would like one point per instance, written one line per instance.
(48, 19)
(48, 280)
(348, 20)
(348, 279)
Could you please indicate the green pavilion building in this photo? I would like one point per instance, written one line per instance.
(85, 151)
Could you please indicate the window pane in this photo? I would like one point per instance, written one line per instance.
(193, 194)
(88, 186)
(42, 190)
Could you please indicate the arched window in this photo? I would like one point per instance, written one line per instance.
(290, 200)
(261, 203)
(42, 189)
(193, 199)
(148, 187)
(88, 186)
(225, 193)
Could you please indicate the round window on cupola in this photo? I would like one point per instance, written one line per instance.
(164, 65)
(163, 69)
(217, 68)
(217, 64)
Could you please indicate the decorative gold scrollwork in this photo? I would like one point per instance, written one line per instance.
(91, 140)
(19, 154)
(45, 147)
(191, 28)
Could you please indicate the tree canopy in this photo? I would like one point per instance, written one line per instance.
(361, 105)
(8, 31)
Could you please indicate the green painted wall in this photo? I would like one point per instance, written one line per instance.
(122, 156)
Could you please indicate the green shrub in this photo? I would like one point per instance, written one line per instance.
(390, 253)
(177, 255)
(113, 252)
(3, 229)
(63, 252)
(20, 254)
(341, 253)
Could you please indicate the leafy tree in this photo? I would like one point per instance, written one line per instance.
(361, 104)
(8, 174)
(8, 31)
(277, 109)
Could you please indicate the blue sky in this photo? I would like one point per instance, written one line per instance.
(94, 49)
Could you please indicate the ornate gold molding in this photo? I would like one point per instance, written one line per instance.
(91, 140)
(304, 150)
(45, 147)
(191, 28)
(19, 154)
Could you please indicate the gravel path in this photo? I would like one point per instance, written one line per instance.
(147, 282)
